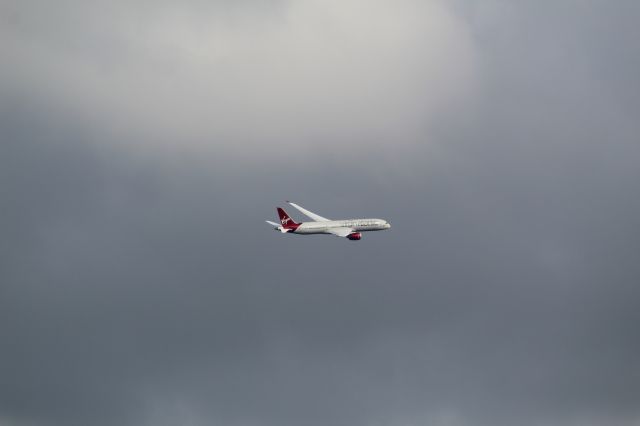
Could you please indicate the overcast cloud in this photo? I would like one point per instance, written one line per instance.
(143, 144)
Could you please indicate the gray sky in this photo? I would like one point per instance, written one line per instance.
(144, 143)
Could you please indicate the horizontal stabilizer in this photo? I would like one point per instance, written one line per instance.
(277, 227)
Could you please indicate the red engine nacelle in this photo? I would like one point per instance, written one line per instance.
(354, 236)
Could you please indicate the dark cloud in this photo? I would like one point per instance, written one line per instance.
(140, 285)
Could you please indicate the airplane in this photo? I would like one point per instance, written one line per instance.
(351, 228)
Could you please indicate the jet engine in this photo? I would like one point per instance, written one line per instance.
(354, 236)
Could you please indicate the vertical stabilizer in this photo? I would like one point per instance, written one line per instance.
(286, 221)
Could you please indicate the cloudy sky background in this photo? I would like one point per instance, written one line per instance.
(144, 143)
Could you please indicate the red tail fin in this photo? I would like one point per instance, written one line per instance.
(286, 220)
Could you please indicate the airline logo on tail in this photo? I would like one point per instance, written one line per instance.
(286, 220)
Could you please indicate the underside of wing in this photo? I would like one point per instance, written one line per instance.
(309, 214)
(340, 232)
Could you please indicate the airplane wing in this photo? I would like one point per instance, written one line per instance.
(340, 232)
(309, 214)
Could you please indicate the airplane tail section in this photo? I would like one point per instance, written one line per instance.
(286, 220)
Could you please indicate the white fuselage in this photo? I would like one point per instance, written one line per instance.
(357, 225)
